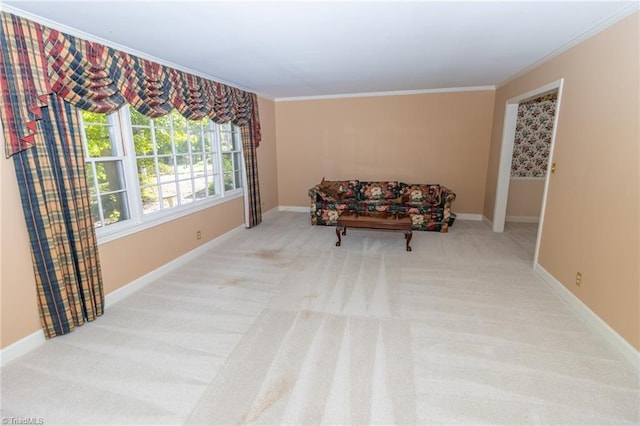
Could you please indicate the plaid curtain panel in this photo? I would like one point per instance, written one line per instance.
(251, 171)
(55, 197)
(22, 82)
(43, 73)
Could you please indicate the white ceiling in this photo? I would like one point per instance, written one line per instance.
(303, 48)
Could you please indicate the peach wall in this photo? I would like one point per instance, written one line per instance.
(428, 138)
(267, 158)
(18, 310)
(125, 259)
(591, 223)
(525, 198)
(129, 258)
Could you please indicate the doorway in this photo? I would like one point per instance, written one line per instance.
(506, 156)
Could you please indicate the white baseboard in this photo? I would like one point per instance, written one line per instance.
(135, 285)
(613, 338)
(468, 216)
(32, 341)
(21, 347)
(297, 209)
(270, 212)
(523, 219)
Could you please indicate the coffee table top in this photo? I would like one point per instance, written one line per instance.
(375, 221)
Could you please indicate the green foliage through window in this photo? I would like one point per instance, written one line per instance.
(177, 161)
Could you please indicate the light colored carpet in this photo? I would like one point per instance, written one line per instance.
(277, 325)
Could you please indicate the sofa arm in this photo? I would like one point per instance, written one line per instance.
(447, 196)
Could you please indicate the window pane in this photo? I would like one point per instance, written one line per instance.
(169, 195)
(198, 165)
(146, 171)
(237, 161)
(163, 141)
(183, 163)
(195, 136)
(90, 181)
(228, 182)
(186, 192)
(225, 141)
(161, 121)
(238, 179)
(165, 166)
(226, 127)
(114, 207)
(110, 177)
(142, 140)
(181, 142)
(138, 119)
(211, 187)
(94, 117)
(95, 212)
(201, 188)
(179, 122)
(99, 141)
(227, 164)
(208, 145)
(150, 199)
(236, 140)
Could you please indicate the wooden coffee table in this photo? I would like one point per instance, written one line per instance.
(390, 222)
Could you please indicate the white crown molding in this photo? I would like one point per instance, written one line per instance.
(90, 37)
(392, 93)
(590, 32)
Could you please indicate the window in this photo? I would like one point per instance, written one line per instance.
(104, 155)
(231, 156)
(175, 159)
(141, 169)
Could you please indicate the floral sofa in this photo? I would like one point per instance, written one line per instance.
(428, 205)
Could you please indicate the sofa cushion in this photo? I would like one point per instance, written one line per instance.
(423, 193)
(339, 190)
(379, 190)
(332, 188)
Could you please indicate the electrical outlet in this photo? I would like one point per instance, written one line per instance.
(198, 235)
(579, 279)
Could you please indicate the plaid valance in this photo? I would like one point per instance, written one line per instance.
(37, 60)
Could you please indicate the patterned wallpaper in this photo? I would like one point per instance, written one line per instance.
(533, 136)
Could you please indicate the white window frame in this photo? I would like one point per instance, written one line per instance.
(139, 221)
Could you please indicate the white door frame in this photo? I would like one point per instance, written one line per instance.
(506, 154)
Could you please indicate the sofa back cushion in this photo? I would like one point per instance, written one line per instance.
(417, 193)
(340, 189)
(379, 190)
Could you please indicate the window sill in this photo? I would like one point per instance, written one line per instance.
(129, 227)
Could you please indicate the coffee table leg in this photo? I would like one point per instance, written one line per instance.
(407, 236)
(338, 229)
